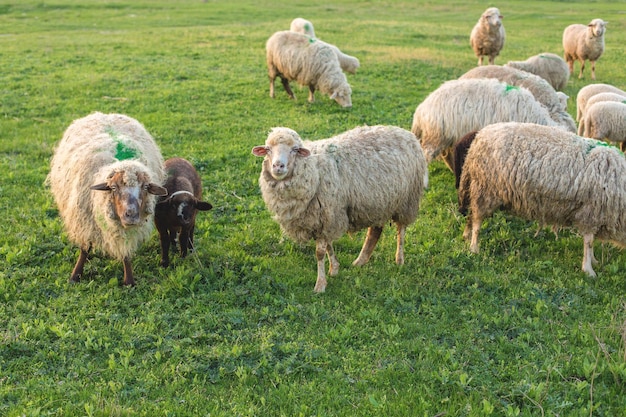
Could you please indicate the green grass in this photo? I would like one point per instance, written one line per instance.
(235, 329)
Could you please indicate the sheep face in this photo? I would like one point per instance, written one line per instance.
(597, 27)
(129, 194)
(493, 18)
(181, 208)
(280, 156)
(343, 96)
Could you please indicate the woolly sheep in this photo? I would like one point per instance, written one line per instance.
(175, 214)
(555, 103)
(461, 106)
(304, 26)
(294, 56)
(545, 174)
(588, 91)
(104, 176)
(605, 120)
(584, 42)
(548, 66)
(487, 36)
(362, 178)
(601, 97)
(347, 62)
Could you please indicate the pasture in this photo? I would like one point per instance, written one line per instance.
(235, 329)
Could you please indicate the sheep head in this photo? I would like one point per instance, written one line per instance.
(281, 148)
(597, 27)
(342, 95)
(182, 206)
(129, 194)
(492, 17)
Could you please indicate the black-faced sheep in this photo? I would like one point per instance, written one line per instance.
(584, 42)
(363, 178)
(104, 176)
(347, 62)
(461, 106)
(175, 214)
(548, 66)
(294, 56)
(488, 35)
(545, 174)
(555, 102)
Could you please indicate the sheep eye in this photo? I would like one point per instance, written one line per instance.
(295, 149)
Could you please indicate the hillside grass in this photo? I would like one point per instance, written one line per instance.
(235, 329)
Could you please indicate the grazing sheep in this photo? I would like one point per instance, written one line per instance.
(363, 178)
(294, 56)
(487, 37)
(605, 120)
(555, 103)
(347, 62)
(104, 175)
(584, 42)
(304, 26)
(545, 174)
(175, 215)
(461, 106)
(548, 66)
(588, 91)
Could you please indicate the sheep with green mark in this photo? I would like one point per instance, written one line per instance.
(104, 176)
(546, 65)
(606, 120)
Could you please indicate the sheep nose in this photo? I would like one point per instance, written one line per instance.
(279, 165)
(130, 216)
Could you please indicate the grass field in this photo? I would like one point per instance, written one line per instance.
(235, 329)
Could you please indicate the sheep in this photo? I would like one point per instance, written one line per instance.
(584, 42)
(294, 56)
(461, 106)
(555, 102)
(175, 215)
(362, 178)
(488, 35)
(304, 26)
(104, 176)
(545, 174)
(347, 62)
(548, 66)
(600, 97)
(605, 120)
(591, 90)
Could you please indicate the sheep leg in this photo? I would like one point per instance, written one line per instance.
(588, 257)
(165, 248)
(128, 272)
(332, 260)
(320, 253)
(400, 245)
(373, 234)
(593, 70)
(582, 67)
(77, 272)
(184, 241)
(287, 87)
(272, 86)
(448, 158)
(311, 94)
(475, 230)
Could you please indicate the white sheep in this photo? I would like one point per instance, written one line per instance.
(545, 174)
(605, 120)
(555, 102)
(584, 42)
(458, 107)
(488, 35)
(548, 66)
(301, 25)
(104, 176)
(347, 62)
(588, 91)
(294, 56)
(363, 178)
(598, 98)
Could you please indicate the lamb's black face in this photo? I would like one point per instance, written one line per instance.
(185, 211)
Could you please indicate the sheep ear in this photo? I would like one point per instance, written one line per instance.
(101, 187)
(259, 150)
(203, 206)
(156, 189)
(304, 152)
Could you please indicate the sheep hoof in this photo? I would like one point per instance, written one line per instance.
(320, 286)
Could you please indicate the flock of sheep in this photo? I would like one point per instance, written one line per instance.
(503, 130)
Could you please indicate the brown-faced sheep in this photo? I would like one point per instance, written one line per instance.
(104, 176)
(294, 56)
(175, 214)
(487, 36)
(584, 42)
(545, 174)
(363, 178)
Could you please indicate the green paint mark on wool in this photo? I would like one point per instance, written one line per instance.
(508, 88)
(122, 150)
(549, 57)
(592, 143)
